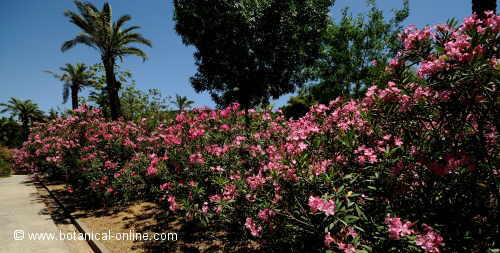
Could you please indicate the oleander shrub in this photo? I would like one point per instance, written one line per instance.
(410, 167)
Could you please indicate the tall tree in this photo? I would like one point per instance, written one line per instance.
(354, 54)
(25, 110)
(251, 50)
(75, 77)
(480, 6)
(182, 102)
(110, 38)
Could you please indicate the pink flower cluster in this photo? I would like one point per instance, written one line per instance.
(319, 204)
(252, 227)
(397, 228)
(430, 241)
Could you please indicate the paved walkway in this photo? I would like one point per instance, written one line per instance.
(23, 212)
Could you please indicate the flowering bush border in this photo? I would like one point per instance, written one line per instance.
(422, 148)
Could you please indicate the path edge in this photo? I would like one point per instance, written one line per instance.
(96, 246)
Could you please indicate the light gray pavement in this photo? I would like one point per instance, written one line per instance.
(21, 209)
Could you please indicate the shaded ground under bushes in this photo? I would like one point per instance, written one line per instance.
(147, 217)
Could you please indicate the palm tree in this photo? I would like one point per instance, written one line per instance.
(75, 77)
(480, 6)
(25, 110)
(110, 39)
(182, 102)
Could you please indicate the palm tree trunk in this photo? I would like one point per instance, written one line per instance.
(74, 97)
(26, 130)
(480, 6)
(112, 88)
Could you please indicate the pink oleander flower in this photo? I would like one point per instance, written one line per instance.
(319, 204)
(218, 209)
(431, 67)
(166, 186)
(229, 192)
(224, 127)
(195, 133)
(255, 181)
(351, 232)
(214, 198)
(110, 165)
(328, 240)
(365, 155)
(196, 158)
(254, 229)
(394, 63)
(315, 203)
(218, 169)
(204, 208)
(328, 207)
(430, 241)
(397, 228)
(348, 248)
(151, 171)
(398, 142)
(266, 214)
(321, 167)
(172, 204)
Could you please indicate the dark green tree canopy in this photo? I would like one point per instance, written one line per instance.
(480, 6)
(251, 50)
(10, 133)
(354, 53)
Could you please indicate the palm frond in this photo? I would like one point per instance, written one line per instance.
(60, 77)
(122, 21)
(75, 76)
(79, 39)
(129, 29)
(132, 51)
(79, 21)
(66, 89)
(134, 38)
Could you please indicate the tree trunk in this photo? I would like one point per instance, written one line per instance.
(74, 97)
(480, 6)
(112, 88)
(244, 100)
(26, 129)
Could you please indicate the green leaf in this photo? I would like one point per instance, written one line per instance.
(350, 219)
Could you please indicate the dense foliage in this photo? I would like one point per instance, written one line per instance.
(412, 166)
(135, 103)
(25, 111)
(10, 133)
(249, 51)
(354, 54)
(5, 162)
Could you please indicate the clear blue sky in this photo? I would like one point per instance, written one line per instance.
(32, 32)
